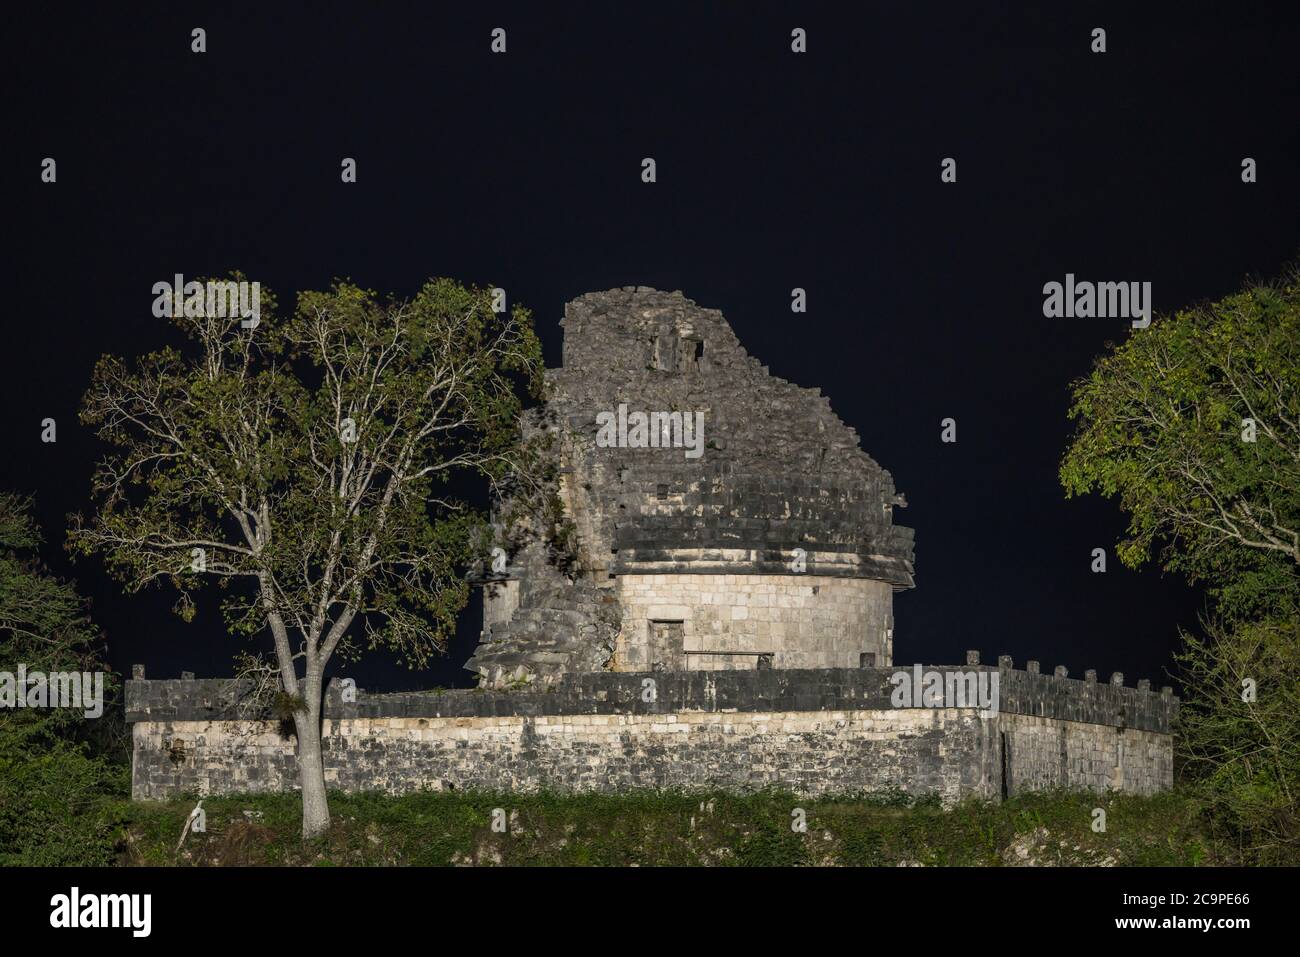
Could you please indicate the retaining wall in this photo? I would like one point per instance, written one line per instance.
(813, 732)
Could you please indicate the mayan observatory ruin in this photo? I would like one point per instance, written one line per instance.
(694, 590)
(720, 518)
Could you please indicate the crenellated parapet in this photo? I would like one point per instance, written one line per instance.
(1020, 692)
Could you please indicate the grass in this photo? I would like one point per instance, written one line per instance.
(647, 829)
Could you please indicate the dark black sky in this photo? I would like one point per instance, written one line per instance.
(774, 171)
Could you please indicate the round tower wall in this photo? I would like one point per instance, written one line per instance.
(695, 622)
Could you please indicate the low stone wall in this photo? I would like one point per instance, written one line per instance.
(1044, 753)
(947, 752)
(814, 732)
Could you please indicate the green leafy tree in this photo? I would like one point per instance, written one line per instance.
(303, 466)
(1194, 424)
(1239, 734)
(53, 787)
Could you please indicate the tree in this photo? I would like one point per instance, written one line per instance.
(53, 790)
(1239, 733)
(1195, 424)
(43, 621)
(304, 465)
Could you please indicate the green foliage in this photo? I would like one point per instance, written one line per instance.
(302, 466)
(53, 786)
(43, 621)
(531, 508)
(1242, 750)
(675, 830)
(55, 807)
(1194, 424)
(285, 705)
(1161, 426)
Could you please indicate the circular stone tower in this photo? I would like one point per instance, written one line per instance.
(718, 517)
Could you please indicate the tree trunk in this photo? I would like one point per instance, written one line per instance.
(311, 764)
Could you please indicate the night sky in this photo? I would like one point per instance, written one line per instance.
(775, 170)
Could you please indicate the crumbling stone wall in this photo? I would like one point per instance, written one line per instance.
(778, 469)
(500, 602)
(814, 732)
(779, 488)
(922, 752)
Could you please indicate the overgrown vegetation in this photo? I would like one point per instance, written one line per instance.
(1194, 425)
(1239, 735)
(530, 507)
(646, 829)
(56, 779)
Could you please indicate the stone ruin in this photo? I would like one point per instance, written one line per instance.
(682, 607)
(768, 544)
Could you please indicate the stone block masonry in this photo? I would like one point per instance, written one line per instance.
(770, 543)
(799, 621)
(812, 732)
